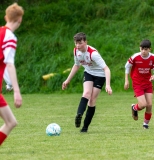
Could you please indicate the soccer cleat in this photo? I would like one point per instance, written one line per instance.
(78, 120)
(145, 126)
(134, 113)
(84, 130)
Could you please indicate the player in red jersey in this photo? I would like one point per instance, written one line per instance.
(139, 66)
(95, 74)
(8, 43)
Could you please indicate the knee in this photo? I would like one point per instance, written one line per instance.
(145, 105)
(92, 102)
(149, 108)
(12, 124)
(87, 94)
(142, 105)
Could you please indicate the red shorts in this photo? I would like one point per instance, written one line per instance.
(140, 90)
(3, 103)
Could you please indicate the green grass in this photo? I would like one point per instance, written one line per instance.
(113, 134)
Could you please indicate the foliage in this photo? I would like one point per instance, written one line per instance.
(45, 43)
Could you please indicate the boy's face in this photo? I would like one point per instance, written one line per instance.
(145, 51)
(81, 45)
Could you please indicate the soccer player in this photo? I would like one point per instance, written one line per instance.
(139, 66)
(96, 72)
(8, 43)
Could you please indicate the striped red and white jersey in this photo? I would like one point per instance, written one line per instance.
(91, 60)
(140, 68)
(8, 44)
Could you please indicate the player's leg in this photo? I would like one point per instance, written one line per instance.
(9, 122)
(139, 106)
(87, 90)
(91, 109)
(139, 92)
(97, 87)
(148, 110)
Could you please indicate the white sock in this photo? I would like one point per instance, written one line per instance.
(145, 124)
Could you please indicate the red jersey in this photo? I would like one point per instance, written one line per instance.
(2, 64)
(7, 52)
(7, 49)
(141, 68)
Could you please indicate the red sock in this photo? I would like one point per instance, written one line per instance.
(147, 117)
(3, 136)
(136, 108)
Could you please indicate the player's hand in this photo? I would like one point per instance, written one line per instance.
(65, 84)
(108, 89)
(151, 78)
(17, 99)
(126, 85)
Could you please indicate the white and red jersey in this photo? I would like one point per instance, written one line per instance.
(8, 43)
(140, 68)
(91, 60)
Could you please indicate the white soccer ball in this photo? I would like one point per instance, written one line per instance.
(53, 129)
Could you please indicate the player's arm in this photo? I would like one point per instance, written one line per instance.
(74, 69)
(13, 77)
(12, 73)
(127, 71)
(9, 54)
(152, 76)
(152, 72)
(7, 80)
(108, 78)
(96, 57)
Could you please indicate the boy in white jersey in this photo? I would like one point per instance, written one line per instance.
(139, 66)
(8, 43)
(95, 74)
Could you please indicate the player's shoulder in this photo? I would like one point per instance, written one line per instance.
(9, 35)
(136, 55)
(151, 54)
(76, 51)
(91, 49)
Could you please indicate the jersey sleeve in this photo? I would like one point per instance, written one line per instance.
(127, 67)
(153, 62)
(76, 61)
(96, 57)
(7, 77)
(129, 64)
(9, 47)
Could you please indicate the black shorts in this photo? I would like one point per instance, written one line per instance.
(98, 81)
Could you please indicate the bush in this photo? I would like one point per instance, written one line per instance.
(45, 38)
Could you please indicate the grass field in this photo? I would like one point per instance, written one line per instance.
(113, 134)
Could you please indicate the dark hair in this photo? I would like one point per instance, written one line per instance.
(145, 44)
(79, 37)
